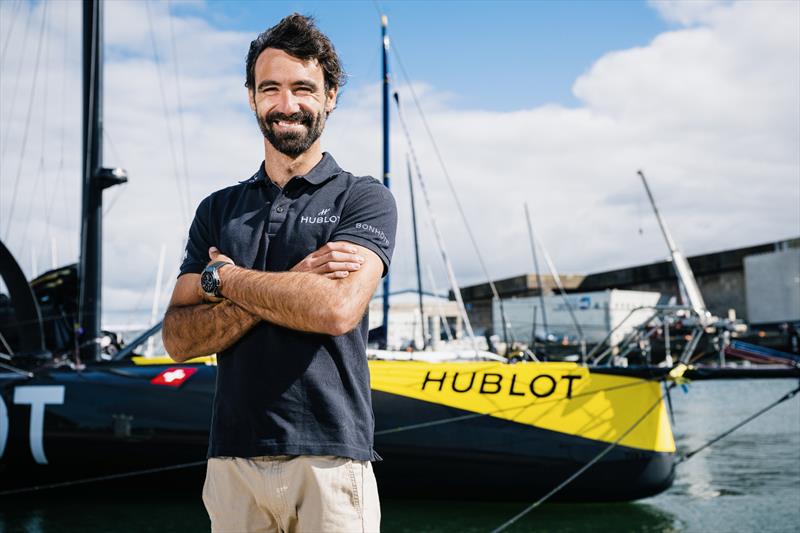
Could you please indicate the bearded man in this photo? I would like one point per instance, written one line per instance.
(277, 278)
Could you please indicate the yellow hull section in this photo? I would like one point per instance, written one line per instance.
(562, 397)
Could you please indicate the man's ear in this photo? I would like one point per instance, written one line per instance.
(331, 104)
(251, 99)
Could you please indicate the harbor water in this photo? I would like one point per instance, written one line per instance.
(749, 481)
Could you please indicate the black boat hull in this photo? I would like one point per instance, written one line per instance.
(113, 419)
(487, 458)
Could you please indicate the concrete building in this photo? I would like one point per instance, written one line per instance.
(478, 298)
(404, 318)
(597, 313)
(772, 283)
(720, 275)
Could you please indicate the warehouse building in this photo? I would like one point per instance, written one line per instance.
(762, 281)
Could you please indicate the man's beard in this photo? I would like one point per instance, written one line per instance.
(292, 143)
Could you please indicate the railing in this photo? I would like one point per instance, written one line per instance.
(639, 332)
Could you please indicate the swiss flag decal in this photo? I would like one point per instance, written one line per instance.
(173, 377)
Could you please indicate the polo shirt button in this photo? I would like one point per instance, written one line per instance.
(279, 210)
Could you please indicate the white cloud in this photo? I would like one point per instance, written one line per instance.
(709, 110)
(688, 12)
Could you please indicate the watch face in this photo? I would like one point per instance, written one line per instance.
(208, 283)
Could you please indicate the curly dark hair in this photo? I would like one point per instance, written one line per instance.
(298, 36)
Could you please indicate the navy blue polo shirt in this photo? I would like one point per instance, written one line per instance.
(280, 391)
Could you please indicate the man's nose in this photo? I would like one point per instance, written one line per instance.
(287, 103)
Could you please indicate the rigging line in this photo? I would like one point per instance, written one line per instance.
(16, 370)
(27, 122)
(4, 132)
(136, 310)
(584, 468)
(449, 180)
(435, 227)
(114, 153)
(28, 217)
(378, 8)
(563, 293)
(43, 137)
(165, 108)
(59, 170)
(180, 106)
(5, 344)
(118, 191)
(10, 31)
(44, 319)
(438, 303)
(109, 477)
(788, 396)
(113, 201)
(21, 59)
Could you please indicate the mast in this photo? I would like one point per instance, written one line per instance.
(687, 283)
(416, 253)
(563, 293)
(538, 281)
(385, 41)
(557, 279)
(95, 180)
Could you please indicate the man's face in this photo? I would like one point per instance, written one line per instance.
(290, 101)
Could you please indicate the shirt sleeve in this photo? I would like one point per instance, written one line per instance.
(369, 219)
(195, 257)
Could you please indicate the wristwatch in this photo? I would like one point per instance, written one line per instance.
(209, 279)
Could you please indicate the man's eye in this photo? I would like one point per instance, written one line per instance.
(303, 90)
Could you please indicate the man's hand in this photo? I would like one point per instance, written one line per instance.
(334, 260)
(196, 325)
(216, 255)
(307, 300)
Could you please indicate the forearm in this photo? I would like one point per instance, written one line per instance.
(296, 300)
(204, 329)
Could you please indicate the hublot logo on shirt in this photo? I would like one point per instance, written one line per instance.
(321, 218)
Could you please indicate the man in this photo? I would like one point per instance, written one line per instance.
(292, 424)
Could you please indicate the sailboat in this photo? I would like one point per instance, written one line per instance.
(72, 410)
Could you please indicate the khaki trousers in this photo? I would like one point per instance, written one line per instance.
(309, 494)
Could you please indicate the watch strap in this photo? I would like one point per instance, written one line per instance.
(217, 264)
(213, 269)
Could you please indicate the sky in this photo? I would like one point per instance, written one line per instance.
(553, 104)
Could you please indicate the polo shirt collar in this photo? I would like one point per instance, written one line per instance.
(326, 168)
(323, 170)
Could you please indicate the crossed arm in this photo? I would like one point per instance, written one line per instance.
(327, 292)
